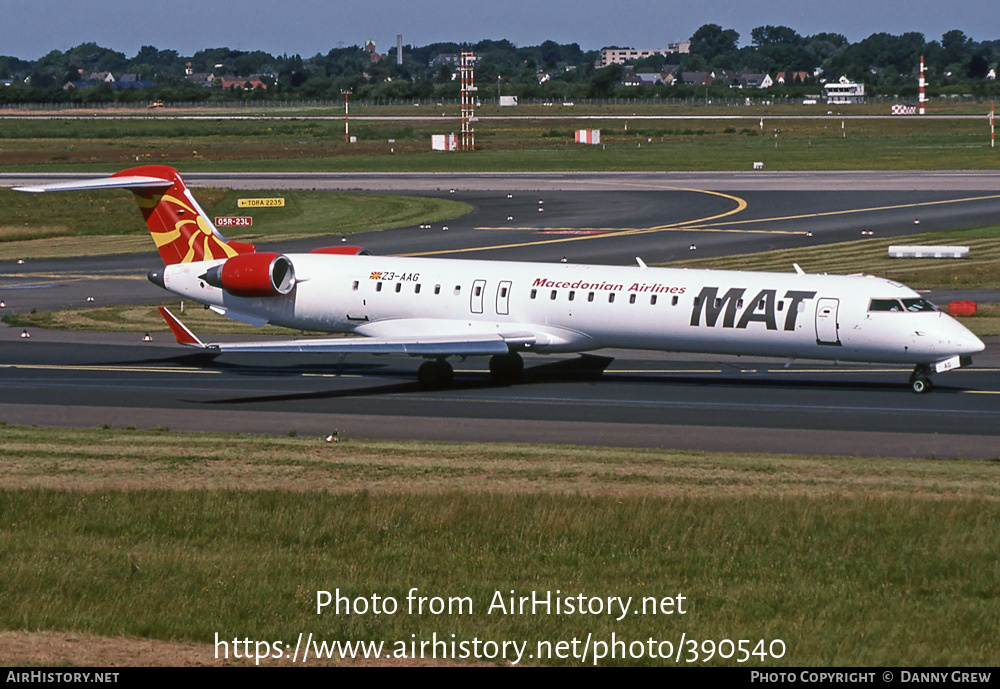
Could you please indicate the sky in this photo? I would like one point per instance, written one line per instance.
(32, 28)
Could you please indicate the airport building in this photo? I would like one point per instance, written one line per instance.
(619, 56)
(844, 91)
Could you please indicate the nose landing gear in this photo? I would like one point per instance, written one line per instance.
(920, 379)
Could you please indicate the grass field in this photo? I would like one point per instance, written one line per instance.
(171, 536)
(533, 143)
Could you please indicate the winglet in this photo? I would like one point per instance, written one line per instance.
(180, 331)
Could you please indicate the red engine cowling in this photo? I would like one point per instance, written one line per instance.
(343, 250)
(253, 275)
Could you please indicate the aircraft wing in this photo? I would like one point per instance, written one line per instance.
(447, 345)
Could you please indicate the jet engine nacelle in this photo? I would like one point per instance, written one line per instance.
(253, 275)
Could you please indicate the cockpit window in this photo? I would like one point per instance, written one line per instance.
(901, 305)
(917, 305)
(885, 305)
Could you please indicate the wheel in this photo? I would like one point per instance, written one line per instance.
(506, 368)
(921, 384)
(434, 375)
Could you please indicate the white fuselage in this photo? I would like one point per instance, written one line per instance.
(574, 308)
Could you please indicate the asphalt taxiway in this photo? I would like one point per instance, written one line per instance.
(643, 399)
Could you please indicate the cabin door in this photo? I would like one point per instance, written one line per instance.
(827, 328)
(503, 298)
(476, 300)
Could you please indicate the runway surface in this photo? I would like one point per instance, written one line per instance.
(641, 400)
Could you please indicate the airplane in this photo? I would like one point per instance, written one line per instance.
(439, 308)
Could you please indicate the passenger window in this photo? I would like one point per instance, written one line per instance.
(590, 296)
(673, 302)
(355, 286)
(378, 286)
(652, 300)
(437, 289)
(399, 286)
(534, 293)
(416, 288)
(631, 299)
(571, 295)
(611, 298)
(781, 306)
(553, 295)
(458, 290)
(503, 292)
(479, 290)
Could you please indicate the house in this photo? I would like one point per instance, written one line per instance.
(749, 80)
(203, 78)
(372, 55)
(70, 85)
(444, 59)
(783, 78)
(697, 78)
(106, 77)
(240, 83)
(630, 78)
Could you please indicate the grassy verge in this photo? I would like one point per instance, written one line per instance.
(831, 143)
(39, 226)
(179, 536)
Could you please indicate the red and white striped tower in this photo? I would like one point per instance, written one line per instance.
(992, 131)
(467, 71)
(923, 96)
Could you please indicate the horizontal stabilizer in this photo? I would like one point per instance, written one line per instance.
(179, 330)
(101, 183)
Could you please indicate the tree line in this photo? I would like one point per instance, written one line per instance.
(886, 63)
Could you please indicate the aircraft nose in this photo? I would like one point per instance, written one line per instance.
(963, 339)
(972, 344)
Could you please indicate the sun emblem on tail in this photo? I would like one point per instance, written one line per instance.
(181, 231)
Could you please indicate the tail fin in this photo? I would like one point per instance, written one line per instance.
(183, 233)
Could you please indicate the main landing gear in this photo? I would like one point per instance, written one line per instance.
(506, 368)
(920, 379)
(438, 373)
(435, 374)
